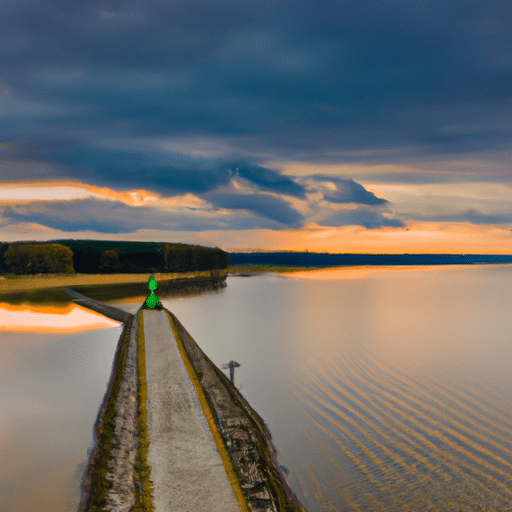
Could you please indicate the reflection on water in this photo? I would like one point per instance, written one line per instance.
(386, 391)
(70, 318)
(52, 385)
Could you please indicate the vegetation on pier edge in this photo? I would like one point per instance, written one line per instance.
(105, 431)
(143, 485)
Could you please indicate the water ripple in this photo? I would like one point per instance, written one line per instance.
(414, 441)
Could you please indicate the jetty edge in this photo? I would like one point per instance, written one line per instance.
(118, 476)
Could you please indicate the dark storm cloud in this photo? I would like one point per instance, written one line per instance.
(324, 81)
(104, 216)
(96, 215)
(152, 170)
(268, 179)
(347, 191)
(267, 206)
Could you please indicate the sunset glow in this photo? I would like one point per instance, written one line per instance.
(364, 127)
(72, 318)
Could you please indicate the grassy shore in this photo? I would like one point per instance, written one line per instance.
(98, 478)
(31, 282)
(50, 288)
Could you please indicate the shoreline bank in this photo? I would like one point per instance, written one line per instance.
(51, 288)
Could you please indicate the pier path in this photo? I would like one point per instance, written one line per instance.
(187, 471)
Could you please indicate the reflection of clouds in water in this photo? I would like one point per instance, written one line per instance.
(72, 318)
(52, 384)
(361, 272)
(331, 273)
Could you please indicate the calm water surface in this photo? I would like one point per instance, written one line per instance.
(385, 390)
(52, 382)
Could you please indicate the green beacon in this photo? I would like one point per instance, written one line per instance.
(152, 302)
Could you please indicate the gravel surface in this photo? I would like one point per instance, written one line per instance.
(186, 469)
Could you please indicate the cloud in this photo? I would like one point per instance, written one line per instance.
(249, 200)
(264, 205)
(91, 214)
(361, 217)
(271, 180)
(14, 171)
(193, 97)
(110, 216)
(303, 80)
(338, 190)
(159, 171)
(471, 216)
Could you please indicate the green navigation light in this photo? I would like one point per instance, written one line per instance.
(152, 301)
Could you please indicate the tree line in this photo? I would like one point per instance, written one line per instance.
(38, 259)
(313, 259)
(93, 256)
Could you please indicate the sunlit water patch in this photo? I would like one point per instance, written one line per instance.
(69, 318)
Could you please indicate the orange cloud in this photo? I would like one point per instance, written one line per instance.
(68, 191)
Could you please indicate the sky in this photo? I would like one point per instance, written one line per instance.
(340, 126)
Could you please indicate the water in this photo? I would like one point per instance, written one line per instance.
(385, 390)
(52, 383)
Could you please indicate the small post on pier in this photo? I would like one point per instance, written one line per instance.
(231, 365)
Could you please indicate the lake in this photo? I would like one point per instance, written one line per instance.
(384, 389)
(55, 363)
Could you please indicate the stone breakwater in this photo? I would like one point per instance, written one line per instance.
(187, 470)
(245, 434)
(109, 481)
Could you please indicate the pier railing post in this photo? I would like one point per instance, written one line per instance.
(231, 365)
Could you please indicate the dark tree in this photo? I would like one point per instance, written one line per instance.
(39, 259)
(109, 261)
(102, 256)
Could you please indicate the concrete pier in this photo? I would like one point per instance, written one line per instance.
(187, 472)
(208, 449)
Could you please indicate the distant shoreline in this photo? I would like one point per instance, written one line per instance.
(280, 261)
